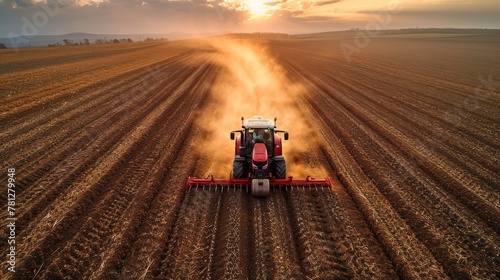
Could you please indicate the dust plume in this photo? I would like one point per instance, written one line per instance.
(250, 83)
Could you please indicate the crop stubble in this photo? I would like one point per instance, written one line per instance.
(102, 158)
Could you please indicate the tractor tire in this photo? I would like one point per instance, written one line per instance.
(238, 167)
(280, 170)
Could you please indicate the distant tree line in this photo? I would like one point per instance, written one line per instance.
(68, 42)
(114, 41)
(3, 46)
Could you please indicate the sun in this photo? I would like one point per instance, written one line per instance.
(257, 8)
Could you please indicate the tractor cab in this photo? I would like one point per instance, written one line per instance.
(260, 135)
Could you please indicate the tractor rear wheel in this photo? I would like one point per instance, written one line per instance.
(238, 167)
(280, 170)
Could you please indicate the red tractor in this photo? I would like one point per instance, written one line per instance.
(259, 153)
(258, 162)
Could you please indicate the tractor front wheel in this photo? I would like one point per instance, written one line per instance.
(238, 167)
(280, 170)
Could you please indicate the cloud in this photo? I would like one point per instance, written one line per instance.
(460, 14)
(323, 3)
(125, 16)
(288, 14)
(209, 16)
(275, 3)
(18, 3)
(158, 16)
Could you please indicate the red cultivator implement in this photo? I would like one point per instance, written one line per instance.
(259, 164)
(258, 187)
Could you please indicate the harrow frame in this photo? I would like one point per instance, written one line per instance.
(211, 182)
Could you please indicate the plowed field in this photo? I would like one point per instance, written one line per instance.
(103, 139)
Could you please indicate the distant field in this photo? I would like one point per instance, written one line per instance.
(426, 35)
(103, 139)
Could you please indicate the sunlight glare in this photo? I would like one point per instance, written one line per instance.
(256, 9)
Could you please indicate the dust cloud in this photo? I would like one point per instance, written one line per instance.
(250, 83)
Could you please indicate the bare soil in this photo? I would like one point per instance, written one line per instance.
(103, 139)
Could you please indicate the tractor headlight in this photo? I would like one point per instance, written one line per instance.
(254, 166)
(265, 167)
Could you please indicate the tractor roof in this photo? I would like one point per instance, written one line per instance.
(258, 122)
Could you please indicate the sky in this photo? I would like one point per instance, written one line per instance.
(56, 17)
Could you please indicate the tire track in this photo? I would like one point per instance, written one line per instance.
(231, 254)
(189, 247)
(283, 248)
(261, 263)
(364, 255)
(321, 254)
